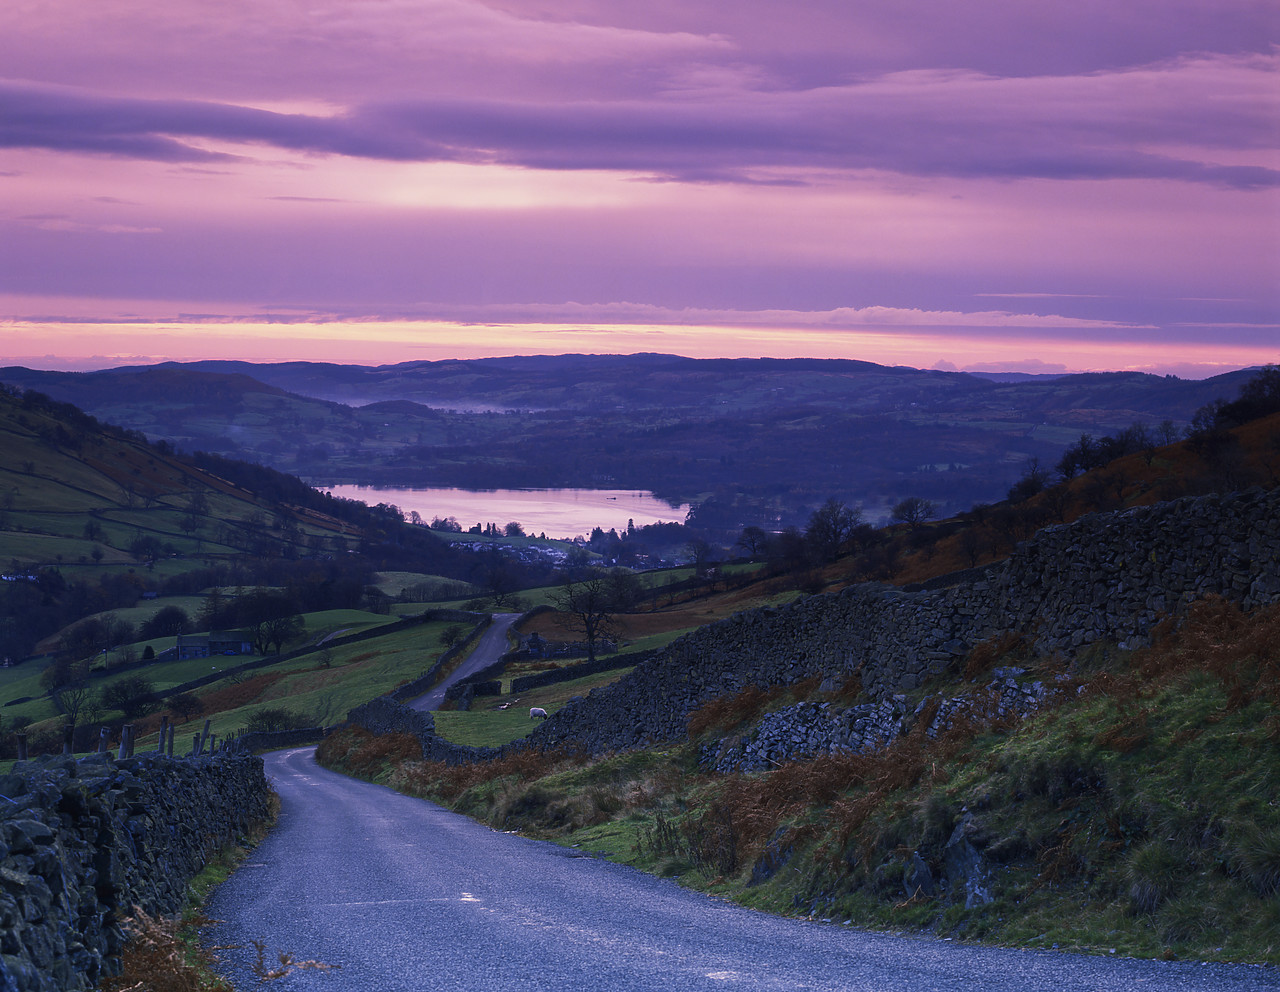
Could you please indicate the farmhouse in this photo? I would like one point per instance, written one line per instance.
(214, 643)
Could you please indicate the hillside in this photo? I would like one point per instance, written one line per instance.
(1132, 815)
(1033, 753)
(771, 438)
(94, 518)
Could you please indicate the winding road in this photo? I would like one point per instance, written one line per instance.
(491, 646)
(407, 897)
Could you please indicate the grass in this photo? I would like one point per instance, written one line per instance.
(394, 583)
(486, 726)
(1138, 814)
(19, 681)
(307, 688)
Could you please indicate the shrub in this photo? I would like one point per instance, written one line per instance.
(133, 696)
(275, 719)
(1152, 870)
(1257, 852)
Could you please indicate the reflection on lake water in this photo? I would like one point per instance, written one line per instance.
(555, 512)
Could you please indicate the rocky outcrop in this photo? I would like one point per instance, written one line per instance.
(808, 730)
(84, 842)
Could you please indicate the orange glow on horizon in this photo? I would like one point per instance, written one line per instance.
(104, 345)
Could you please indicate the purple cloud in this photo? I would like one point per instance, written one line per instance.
(924, 123)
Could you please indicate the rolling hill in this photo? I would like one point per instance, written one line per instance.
(771, 439)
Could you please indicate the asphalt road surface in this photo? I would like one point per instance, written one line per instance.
(492, 646)
(408, 897)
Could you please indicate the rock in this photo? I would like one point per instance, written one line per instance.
(101, 836)
(774, 857)
(917, 879)
(965, 864)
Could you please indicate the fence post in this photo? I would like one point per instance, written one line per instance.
(22, 746)
(126, 733)
(104, 739)
(204, 737)
(164, 730)
(195, 745)
(68, 738)
(172, 728)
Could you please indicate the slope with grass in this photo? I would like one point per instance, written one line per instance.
(1136, 816)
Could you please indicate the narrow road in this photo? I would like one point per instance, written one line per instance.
(492, 646)
(408, 897)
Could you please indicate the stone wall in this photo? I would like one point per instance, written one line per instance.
(271, 740)
(808, 729)
(385, 715)
(1106, 576)
(570, 672)
(83, 842)
(428, 679)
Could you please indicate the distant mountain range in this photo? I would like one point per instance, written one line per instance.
(770, 437)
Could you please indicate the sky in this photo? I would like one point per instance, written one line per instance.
(986, 185)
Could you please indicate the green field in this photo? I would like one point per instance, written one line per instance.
(394, 584)
(484, 725)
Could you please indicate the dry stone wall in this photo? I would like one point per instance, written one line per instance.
(83, 842)
(807, 730)
(1106, 576)
(386, 715)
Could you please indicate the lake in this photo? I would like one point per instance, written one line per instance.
(555, 512)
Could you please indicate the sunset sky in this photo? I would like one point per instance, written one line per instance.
(991, 184)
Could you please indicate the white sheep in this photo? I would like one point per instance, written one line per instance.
(537, 712)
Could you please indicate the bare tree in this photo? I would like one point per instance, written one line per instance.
(753, 540)
(830, 526)
(73, 699)
(914, 511)
(588, 605)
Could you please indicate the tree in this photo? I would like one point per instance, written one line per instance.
(700, 553)
(830, 526)
(271, 618)
(275, 719)
(145, 548)
(185, 705)
(213, 612)
(753, 540)
(64, 676)
(971, 544)
(194, 517)
(1033, 481)
(73, 699)
(169, 621)
(914, 511)
(513, 529)
(588, 606)
(1259, 397)
(277, 630)
(498, 577)
(789, 552)
(133, 695)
